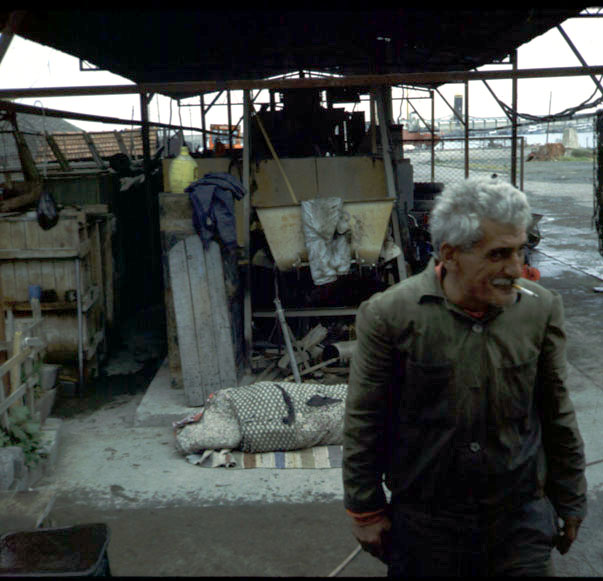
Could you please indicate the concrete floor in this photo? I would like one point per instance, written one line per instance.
(117, 461)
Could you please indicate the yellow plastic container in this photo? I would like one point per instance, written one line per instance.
(183, 171)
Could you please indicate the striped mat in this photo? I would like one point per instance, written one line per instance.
(317, 458)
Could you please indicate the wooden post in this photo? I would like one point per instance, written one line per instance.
(15, 372)
(95, 155)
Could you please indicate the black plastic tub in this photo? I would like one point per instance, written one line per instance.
(75, 551)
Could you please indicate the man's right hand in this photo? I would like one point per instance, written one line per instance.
(375, 538)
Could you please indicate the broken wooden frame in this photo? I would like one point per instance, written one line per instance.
(25, 346)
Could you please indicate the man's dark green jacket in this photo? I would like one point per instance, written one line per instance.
(420, 363)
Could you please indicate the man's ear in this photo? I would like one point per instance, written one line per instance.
(448, 255)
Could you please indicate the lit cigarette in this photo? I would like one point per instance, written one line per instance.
(525, 291)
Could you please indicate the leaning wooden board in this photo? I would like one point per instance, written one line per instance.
(202, 319)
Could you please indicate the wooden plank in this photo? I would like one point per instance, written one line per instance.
(17, 233)
(34, 272)
(220, 315)
(107, 267)
(32, 234)
(206, 344)
(7, 279)
(6, 240)
(21, 281)
(47, 278)
(187, 341)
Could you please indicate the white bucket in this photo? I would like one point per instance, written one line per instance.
(49, 376)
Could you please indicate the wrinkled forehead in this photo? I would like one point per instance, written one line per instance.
(497, 234)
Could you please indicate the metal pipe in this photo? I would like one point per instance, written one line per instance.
(432, 137)
(32, 110)
(80, 326)
(196, 87)
(522, 157)
(466, 129)
(514, 122)
(343, 350)
(202, 104)
(229, 112)
(285, 329)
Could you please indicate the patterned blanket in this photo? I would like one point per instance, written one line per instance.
(317, 458)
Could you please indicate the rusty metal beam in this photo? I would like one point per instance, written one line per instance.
(33, 110)
(195, 87)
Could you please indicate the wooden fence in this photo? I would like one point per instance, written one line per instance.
(26, 348)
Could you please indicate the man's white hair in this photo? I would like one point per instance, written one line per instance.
(458, 212)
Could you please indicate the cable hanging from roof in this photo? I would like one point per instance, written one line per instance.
(565, 114)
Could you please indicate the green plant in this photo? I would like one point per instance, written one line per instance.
(23, 431)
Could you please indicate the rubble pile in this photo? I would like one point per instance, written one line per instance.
(547, 152)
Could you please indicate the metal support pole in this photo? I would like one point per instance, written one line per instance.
(247, 310)
(80, 326)
(514, 122)
(451, 107)
(5, 41)
(150, 201)
(229, 110)
(522, 154)
(577, 53)
(432, 136)
(202, 103)
(496, 99)
(285, 329)
(373, 125)
(466, 129)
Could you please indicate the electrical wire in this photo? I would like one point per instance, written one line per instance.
(565, 114)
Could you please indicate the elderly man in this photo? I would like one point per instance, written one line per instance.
(457, 398)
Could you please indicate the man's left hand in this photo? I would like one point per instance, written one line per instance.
(568, 535)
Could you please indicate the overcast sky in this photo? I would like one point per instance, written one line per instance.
(28, 64)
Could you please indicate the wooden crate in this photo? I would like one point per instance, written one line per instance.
(31, 256)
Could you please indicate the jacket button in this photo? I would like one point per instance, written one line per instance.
(477, 328)
(475, 447)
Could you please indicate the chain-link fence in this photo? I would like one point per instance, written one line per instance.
(449, 160)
